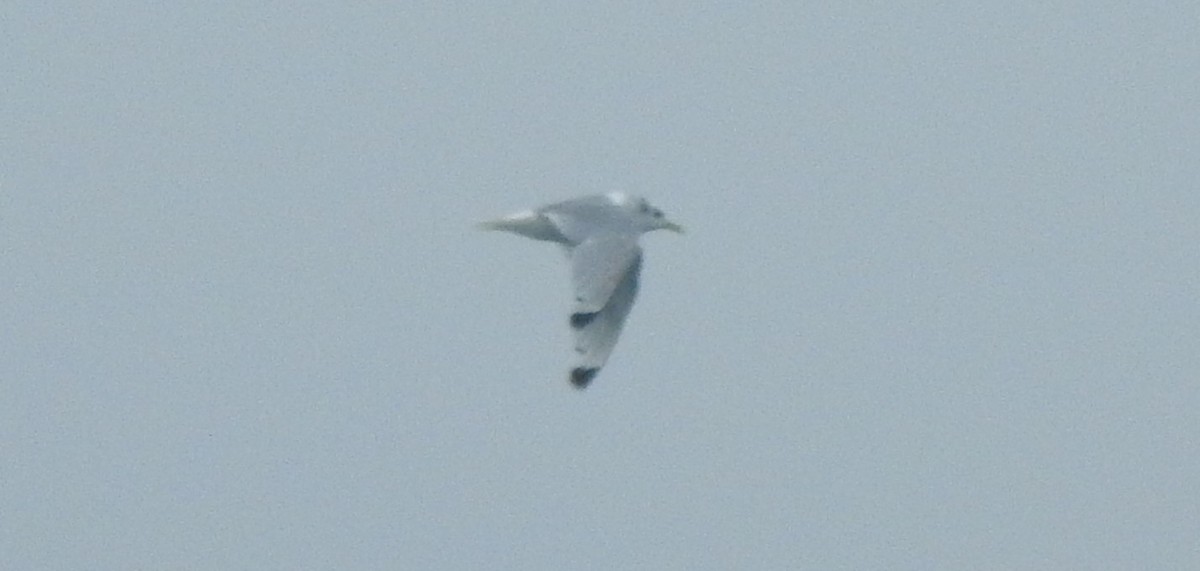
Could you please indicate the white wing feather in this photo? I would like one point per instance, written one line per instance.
(596, 332)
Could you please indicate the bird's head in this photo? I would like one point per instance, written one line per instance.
(643, 212)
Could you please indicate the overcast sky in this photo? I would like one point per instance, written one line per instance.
(938, 306)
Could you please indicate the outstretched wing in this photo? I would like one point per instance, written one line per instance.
(605, 272)
(597, 267)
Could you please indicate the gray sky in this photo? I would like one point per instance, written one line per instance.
(937, 308)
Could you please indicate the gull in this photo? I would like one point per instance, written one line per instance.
(600, 235)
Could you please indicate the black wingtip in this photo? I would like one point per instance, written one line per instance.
(581, 319)
(582, 376)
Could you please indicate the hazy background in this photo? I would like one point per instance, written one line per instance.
(937, 309)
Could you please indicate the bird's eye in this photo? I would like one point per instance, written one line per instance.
(658, 214)
(643, 207)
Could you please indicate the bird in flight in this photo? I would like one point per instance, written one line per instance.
(600, 235)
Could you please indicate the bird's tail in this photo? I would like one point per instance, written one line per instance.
(526, 223)
(510, 223)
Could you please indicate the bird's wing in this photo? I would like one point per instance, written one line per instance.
(605, 273)
(598, 265)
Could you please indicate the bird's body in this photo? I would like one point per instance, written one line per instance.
(600, 234)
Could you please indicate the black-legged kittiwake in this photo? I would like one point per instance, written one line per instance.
(600, 234)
